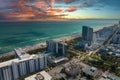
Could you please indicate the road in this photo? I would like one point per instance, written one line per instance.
(104, 44)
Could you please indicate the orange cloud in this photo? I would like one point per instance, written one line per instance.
(38, 9)
(68, 1)
(71, 9)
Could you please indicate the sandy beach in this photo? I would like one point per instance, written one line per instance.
(43, 44)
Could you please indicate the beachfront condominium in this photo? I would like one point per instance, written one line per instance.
(56, 47)
(94, 37)
(25, 64)
(87, 34)
(119, 24)
(116, 38)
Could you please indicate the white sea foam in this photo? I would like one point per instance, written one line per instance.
(38, 39)
(33, 40)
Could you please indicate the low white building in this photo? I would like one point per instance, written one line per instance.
(109, 76)
(43, 75)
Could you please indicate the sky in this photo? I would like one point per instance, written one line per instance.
(59, 9)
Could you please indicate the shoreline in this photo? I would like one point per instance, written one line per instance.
(43, 44)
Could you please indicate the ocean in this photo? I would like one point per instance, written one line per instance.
(21, 34)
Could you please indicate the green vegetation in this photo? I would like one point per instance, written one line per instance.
(12, 56)
(96, 57)
(60, 79)
(72, 53)
(117, 71)
(37, 50)
(80, 49)
(106, 63)
(73, 41)
(6, 58)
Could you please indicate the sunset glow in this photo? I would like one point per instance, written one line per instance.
(58, 9)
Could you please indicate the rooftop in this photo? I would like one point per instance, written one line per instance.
(109, 77)
(88, 70)
(58, 59)
(17, 60)
(39, 76)
(21, 53)
(92, 71)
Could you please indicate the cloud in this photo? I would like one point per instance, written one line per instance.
(22, 9)
(48, 8)
(68, 1)
(71, 9)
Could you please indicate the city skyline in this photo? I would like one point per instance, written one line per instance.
(59, 9)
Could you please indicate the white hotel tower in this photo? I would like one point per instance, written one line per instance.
(24, 64)
(56, 47)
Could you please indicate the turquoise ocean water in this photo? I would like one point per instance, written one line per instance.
(21, 34)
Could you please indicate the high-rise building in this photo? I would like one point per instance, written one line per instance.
(61, 48)
(51, 46)
(94, 37)
(116, 38)
(87, 34)
(119, 24)
(15, 68)
(56, 47)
